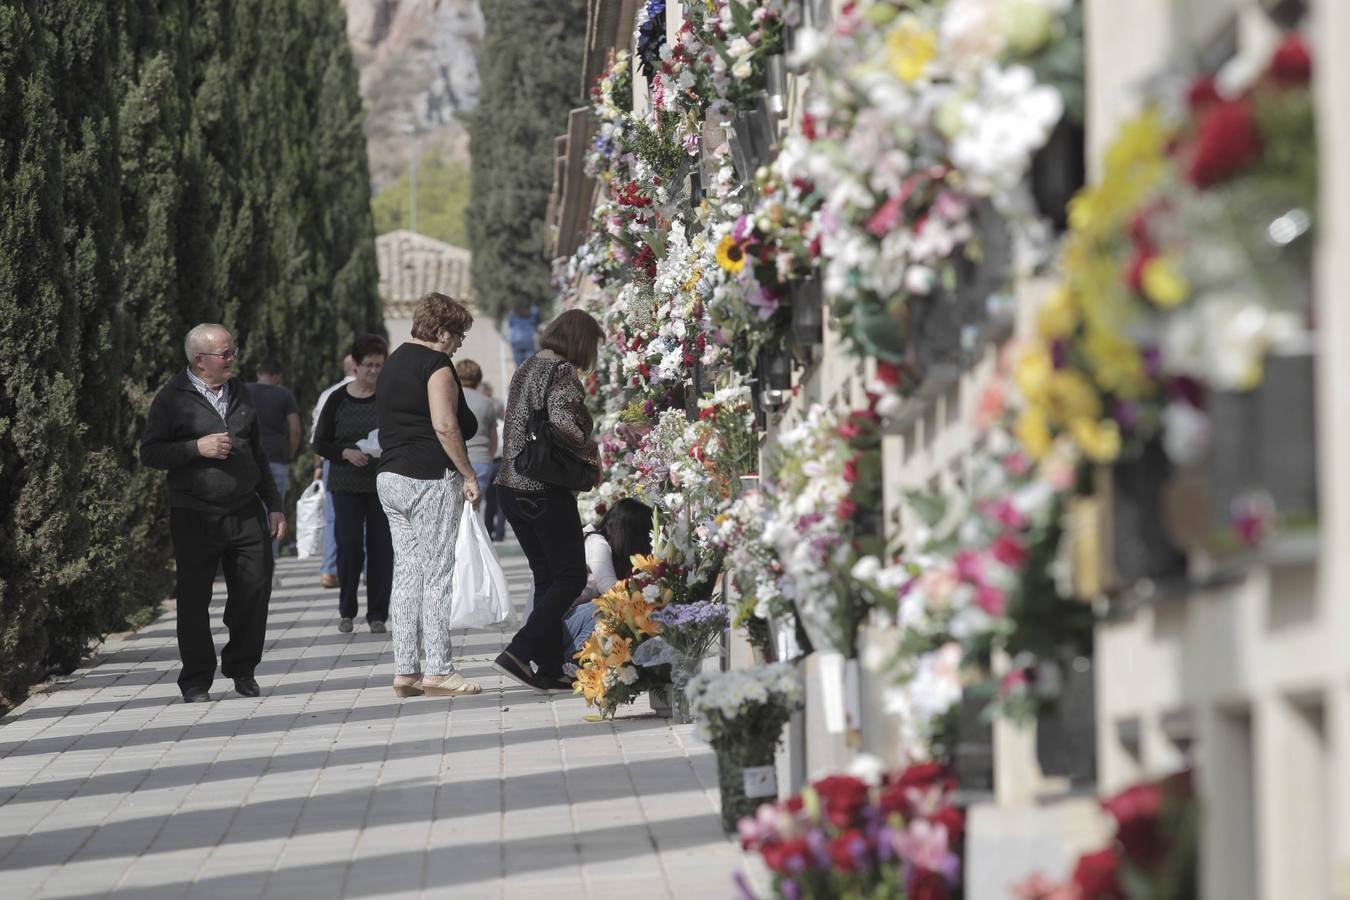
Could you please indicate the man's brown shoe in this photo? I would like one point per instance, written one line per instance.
(328, 581)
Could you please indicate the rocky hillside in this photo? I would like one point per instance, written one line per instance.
(419, 66)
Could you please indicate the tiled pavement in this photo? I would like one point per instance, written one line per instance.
(329, 786)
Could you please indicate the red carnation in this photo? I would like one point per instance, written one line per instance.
(925, 884)
(1202, 94)
(1095, 876)
(1227, 144)
(953, 818)
(888, 373)
(842, 797)
(847, 509)
(1291, 64)
(849, 851)
(1138, 826)
(851, 470)
(788, 857)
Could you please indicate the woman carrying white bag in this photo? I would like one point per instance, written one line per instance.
(425, 481)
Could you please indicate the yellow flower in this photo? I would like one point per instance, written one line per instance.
(1057, 318)
(1071, 396)
(910, 47)
(730, 255)
(1117, 365)
(620, 652)
(593, 651)
(1033, 433)
(647, 564)
(1033, 371)
(1100, 440)
(590, 683)
(642, 623)
(1163, 282)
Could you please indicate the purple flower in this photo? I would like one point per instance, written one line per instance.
(790, 889)
(743, 887)
(1126, 414)
(684, 615)
(820, 851)
(741, 230)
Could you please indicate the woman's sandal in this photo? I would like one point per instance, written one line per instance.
(452, 685)
(408, 688)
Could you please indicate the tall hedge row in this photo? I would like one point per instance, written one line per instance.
(162, 163)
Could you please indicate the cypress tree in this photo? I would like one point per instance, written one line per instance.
(41, 532)
(531, 55)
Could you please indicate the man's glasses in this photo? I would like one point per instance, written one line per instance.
(227, 355)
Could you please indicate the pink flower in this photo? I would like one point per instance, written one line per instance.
(951, 206)
(991, 599)
(923, 844)
(884, 220)
(1009, 551)
(1005, 514)
(969, 567)
(1018, 464)
(1014, 679)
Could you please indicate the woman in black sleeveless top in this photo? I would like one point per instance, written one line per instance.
(424, 481)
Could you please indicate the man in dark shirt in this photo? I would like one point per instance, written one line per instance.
(279, 418)
(204, 430)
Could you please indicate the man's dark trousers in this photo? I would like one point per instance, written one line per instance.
(239, 543)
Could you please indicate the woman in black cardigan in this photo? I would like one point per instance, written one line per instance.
(359, 522)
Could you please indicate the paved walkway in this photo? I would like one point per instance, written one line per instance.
(329, 786)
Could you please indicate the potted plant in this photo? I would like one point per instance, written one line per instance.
(741, 713)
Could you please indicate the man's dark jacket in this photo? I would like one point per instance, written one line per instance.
(179, 416)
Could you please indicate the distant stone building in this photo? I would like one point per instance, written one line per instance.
(412, 264)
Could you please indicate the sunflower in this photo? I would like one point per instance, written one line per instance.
(730, 255)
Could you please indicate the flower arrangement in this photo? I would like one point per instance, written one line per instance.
(1154, 852)
(690, 471)
(742, 713)
(760, 254)
(908, 134)
(844, 837)
(607, 677)
(823, 498)
(1084, 376)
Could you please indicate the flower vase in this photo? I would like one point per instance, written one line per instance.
(681, 671)
(775, 85)
(745, 779)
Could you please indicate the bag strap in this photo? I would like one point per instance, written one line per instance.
(552, 375)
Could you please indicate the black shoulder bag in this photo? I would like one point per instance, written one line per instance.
(546, 459)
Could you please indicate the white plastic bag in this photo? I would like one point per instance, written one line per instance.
(479, 596)
(309, 521)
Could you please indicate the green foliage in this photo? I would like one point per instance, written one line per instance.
(162, 163)
(531, 55)
(442, 198)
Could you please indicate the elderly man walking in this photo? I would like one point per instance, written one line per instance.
(204, 430)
